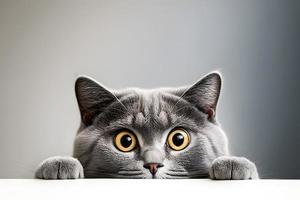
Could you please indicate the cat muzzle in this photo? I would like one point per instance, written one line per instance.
(153, 167)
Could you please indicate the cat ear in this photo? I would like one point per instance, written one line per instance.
(205, 93)
(92, 98)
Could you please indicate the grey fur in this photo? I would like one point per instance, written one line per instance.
(150, 115)
(233, 168)
(60, 168)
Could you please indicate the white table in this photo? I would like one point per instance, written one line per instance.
(121, 189)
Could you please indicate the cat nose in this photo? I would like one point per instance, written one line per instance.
(153, 167)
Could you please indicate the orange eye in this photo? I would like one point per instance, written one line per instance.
(178, 139)
(125, 141)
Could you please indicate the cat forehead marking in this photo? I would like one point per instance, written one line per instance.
(150, 110)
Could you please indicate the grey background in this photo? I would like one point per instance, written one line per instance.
(44, 45)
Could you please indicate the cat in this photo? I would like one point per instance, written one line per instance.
(154, 133)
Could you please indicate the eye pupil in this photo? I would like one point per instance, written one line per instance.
(126, 141)
(178, 139)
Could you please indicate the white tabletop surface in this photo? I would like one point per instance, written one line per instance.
(148, 189)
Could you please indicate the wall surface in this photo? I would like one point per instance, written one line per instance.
(45, 44)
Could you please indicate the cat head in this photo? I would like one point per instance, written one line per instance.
(157, 133)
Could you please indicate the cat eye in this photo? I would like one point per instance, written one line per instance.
(178, 139)
(125, 141)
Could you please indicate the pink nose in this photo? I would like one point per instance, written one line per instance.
(153, 167)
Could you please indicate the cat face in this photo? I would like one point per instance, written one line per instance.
(159, 133)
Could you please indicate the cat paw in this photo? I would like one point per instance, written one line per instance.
(232, 168)
(59, 168)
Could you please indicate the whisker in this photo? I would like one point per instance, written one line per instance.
(174, 170)
(175, 177)
(111, 175)
(181, 108)
(129, 170)
(177, 174)
(122, 111)
(198, 174)
(130, 173)
(180, 98)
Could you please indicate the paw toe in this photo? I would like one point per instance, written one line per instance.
(60, 168)
(233, 168)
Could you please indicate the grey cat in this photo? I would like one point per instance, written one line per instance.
(159, 133)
